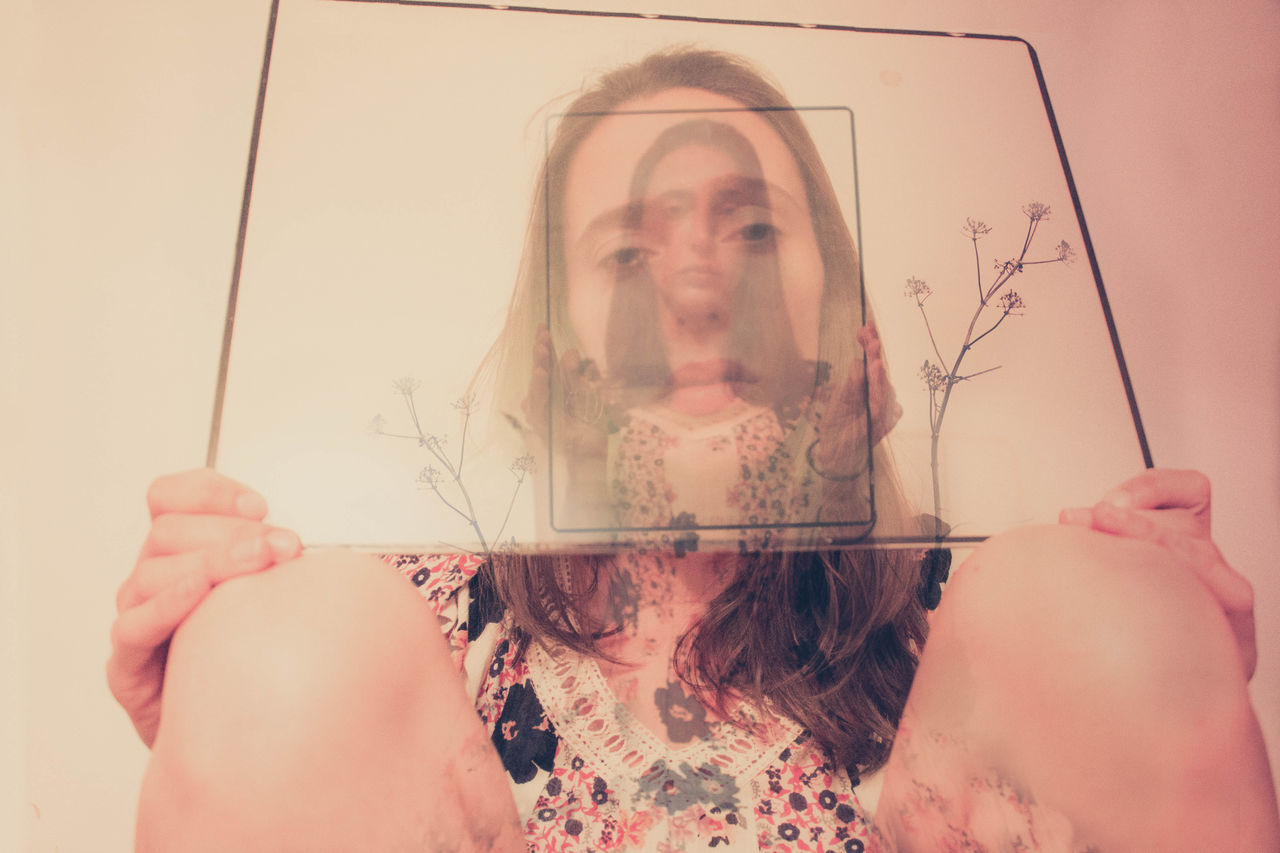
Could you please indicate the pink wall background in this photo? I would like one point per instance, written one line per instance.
(122, 148)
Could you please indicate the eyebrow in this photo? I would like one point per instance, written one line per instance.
(624, 215)
(618, 217)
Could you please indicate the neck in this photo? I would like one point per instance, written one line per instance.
(668, 590)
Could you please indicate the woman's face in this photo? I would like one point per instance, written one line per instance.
(698, 218)
(693, 224)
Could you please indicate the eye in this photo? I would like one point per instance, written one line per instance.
(757, 232)
(626, 259)
(631, 256)
(751, 225)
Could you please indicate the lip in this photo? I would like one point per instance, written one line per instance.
(710, 372)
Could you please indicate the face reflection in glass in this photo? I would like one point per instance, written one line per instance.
(698, 288)
(693, 281)
(698, 220)
(688, 240)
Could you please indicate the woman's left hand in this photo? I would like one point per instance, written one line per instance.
(844, 431)
(1172, 509)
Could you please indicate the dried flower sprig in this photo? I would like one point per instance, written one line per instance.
(449, 476)
(994, 298)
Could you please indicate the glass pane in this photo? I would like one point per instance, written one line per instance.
(473, 311)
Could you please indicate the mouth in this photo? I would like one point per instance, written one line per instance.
(710, 371)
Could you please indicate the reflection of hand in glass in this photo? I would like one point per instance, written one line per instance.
(576, 428)
(839, 453)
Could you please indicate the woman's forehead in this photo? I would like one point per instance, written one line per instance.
(600, 175)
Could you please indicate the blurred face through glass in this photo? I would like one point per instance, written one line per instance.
(696, 220)
(698, 203)
(693, 282)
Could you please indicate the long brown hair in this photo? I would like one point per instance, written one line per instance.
(829, 639)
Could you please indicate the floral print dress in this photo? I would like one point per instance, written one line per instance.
(586, 776)
(730, 469)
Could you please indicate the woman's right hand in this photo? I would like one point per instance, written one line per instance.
(581, 420)
(205, 529)
(844, 431)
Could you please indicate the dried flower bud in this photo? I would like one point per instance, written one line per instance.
(1036, 211)
(917, 289)
(1011, 302)
(935, 378)
(406, 385)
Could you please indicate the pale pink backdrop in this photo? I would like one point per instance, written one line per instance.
(123, 134)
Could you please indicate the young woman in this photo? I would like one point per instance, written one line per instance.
(1082, 686)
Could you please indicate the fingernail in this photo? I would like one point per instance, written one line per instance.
(251, 505)
(283, 543)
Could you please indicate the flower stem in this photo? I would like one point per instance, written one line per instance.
(929, 329)
(977, 267)
(462, 445)
(938, 411)
(510, 506)
(995, 326)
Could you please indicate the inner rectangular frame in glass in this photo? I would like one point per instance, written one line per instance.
(704, 298)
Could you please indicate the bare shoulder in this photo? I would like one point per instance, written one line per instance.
(1075, 686)
(1098, 606)
(1073, 567)
(295, 692)
(325, 584)
(325, 616)
(1060, 548)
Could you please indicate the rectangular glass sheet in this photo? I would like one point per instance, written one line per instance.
(444, 335)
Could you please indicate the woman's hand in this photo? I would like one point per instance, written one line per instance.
(581, 422)
(205, 529)
(843, 432)
(1172, 509)
(582, 419)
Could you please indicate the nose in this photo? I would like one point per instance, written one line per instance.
(695, 232)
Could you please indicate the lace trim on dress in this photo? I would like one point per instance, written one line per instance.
(602, 728)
